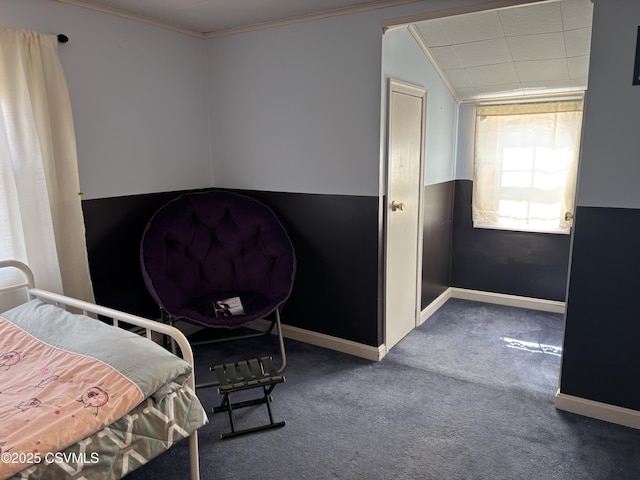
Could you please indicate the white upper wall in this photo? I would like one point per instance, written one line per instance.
(466, 142)
(137, 96)
(610, 159)
(402, 59)
(297, 108)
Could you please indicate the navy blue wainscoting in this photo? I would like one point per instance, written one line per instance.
(436, 240)
(500, 261)
(601, 358)
(336, 242)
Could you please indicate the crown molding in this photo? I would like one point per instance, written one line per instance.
(427, 53)
(309, 17)
(131, 16)
(241, 29)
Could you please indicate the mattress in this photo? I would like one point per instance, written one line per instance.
(148, 430)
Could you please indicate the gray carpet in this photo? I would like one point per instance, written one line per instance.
(468, 395)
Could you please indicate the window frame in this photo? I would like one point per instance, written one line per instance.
(493, 220)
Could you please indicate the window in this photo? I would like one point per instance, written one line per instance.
(526, 160)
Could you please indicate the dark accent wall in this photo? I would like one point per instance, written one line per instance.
(335, 237)
(436, 240)
(114, 229)
(500, 261)
(601, 358)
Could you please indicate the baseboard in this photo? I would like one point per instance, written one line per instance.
(434, 306)
(377, 353)
(508, 300)
(327, 341)
(598, 410)
(490, 297)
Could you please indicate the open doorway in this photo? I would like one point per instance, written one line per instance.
(548, 48)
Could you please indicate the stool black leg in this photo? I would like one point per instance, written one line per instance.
(228, 406)
(230, 414)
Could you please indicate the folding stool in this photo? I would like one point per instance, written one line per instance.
(245, 375)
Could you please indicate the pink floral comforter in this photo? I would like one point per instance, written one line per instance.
(52, 396)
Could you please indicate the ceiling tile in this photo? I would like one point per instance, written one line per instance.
(446, 57)
(579, 83)
(546, 85)
(485, 52)
(493, 74)
(473, 27)
(546, 56)
(577, 13)
(545, 46)
(542, 70)
(458, 78)
(531, 19)
(467, 93)
(578, 66)
(578, 42)
(433, 33)
(507, 89)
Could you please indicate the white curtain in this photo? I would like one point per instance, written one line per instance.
(526, 161)
(41, 220)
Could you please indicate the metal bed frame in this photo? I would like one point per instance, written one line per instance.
(116, 318)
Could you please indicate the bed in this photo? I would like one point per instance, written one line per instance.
(82, 398)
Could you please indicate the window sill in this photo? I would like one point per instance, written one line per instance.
(520, 228)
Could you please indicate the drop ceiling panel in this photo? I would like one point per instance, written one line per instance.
(487, 75)
(488, 91)
(545, 46)
(473, 27)
(433, 33)
(553, 85)
(459, 78)
(543, 70)
(575, 14)
(532, 19)
(578, 68)
(578, 42)
(484, 52)
(470, 92)
(446, 57)
(579, 84)
(528, 49)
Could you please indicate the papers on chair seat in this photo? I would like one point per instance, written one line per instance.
(228, 307)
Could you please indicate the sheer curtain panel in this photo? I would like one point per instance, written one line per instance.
(41, 220)
(526, 161)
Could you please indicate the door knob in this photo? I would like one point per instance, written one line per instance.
(396, 206)
(568, 216)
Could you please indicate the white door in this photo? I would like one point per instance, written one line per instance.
(403, 235)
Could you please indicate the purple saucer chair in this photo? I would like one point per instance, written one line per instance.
(203, 248)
